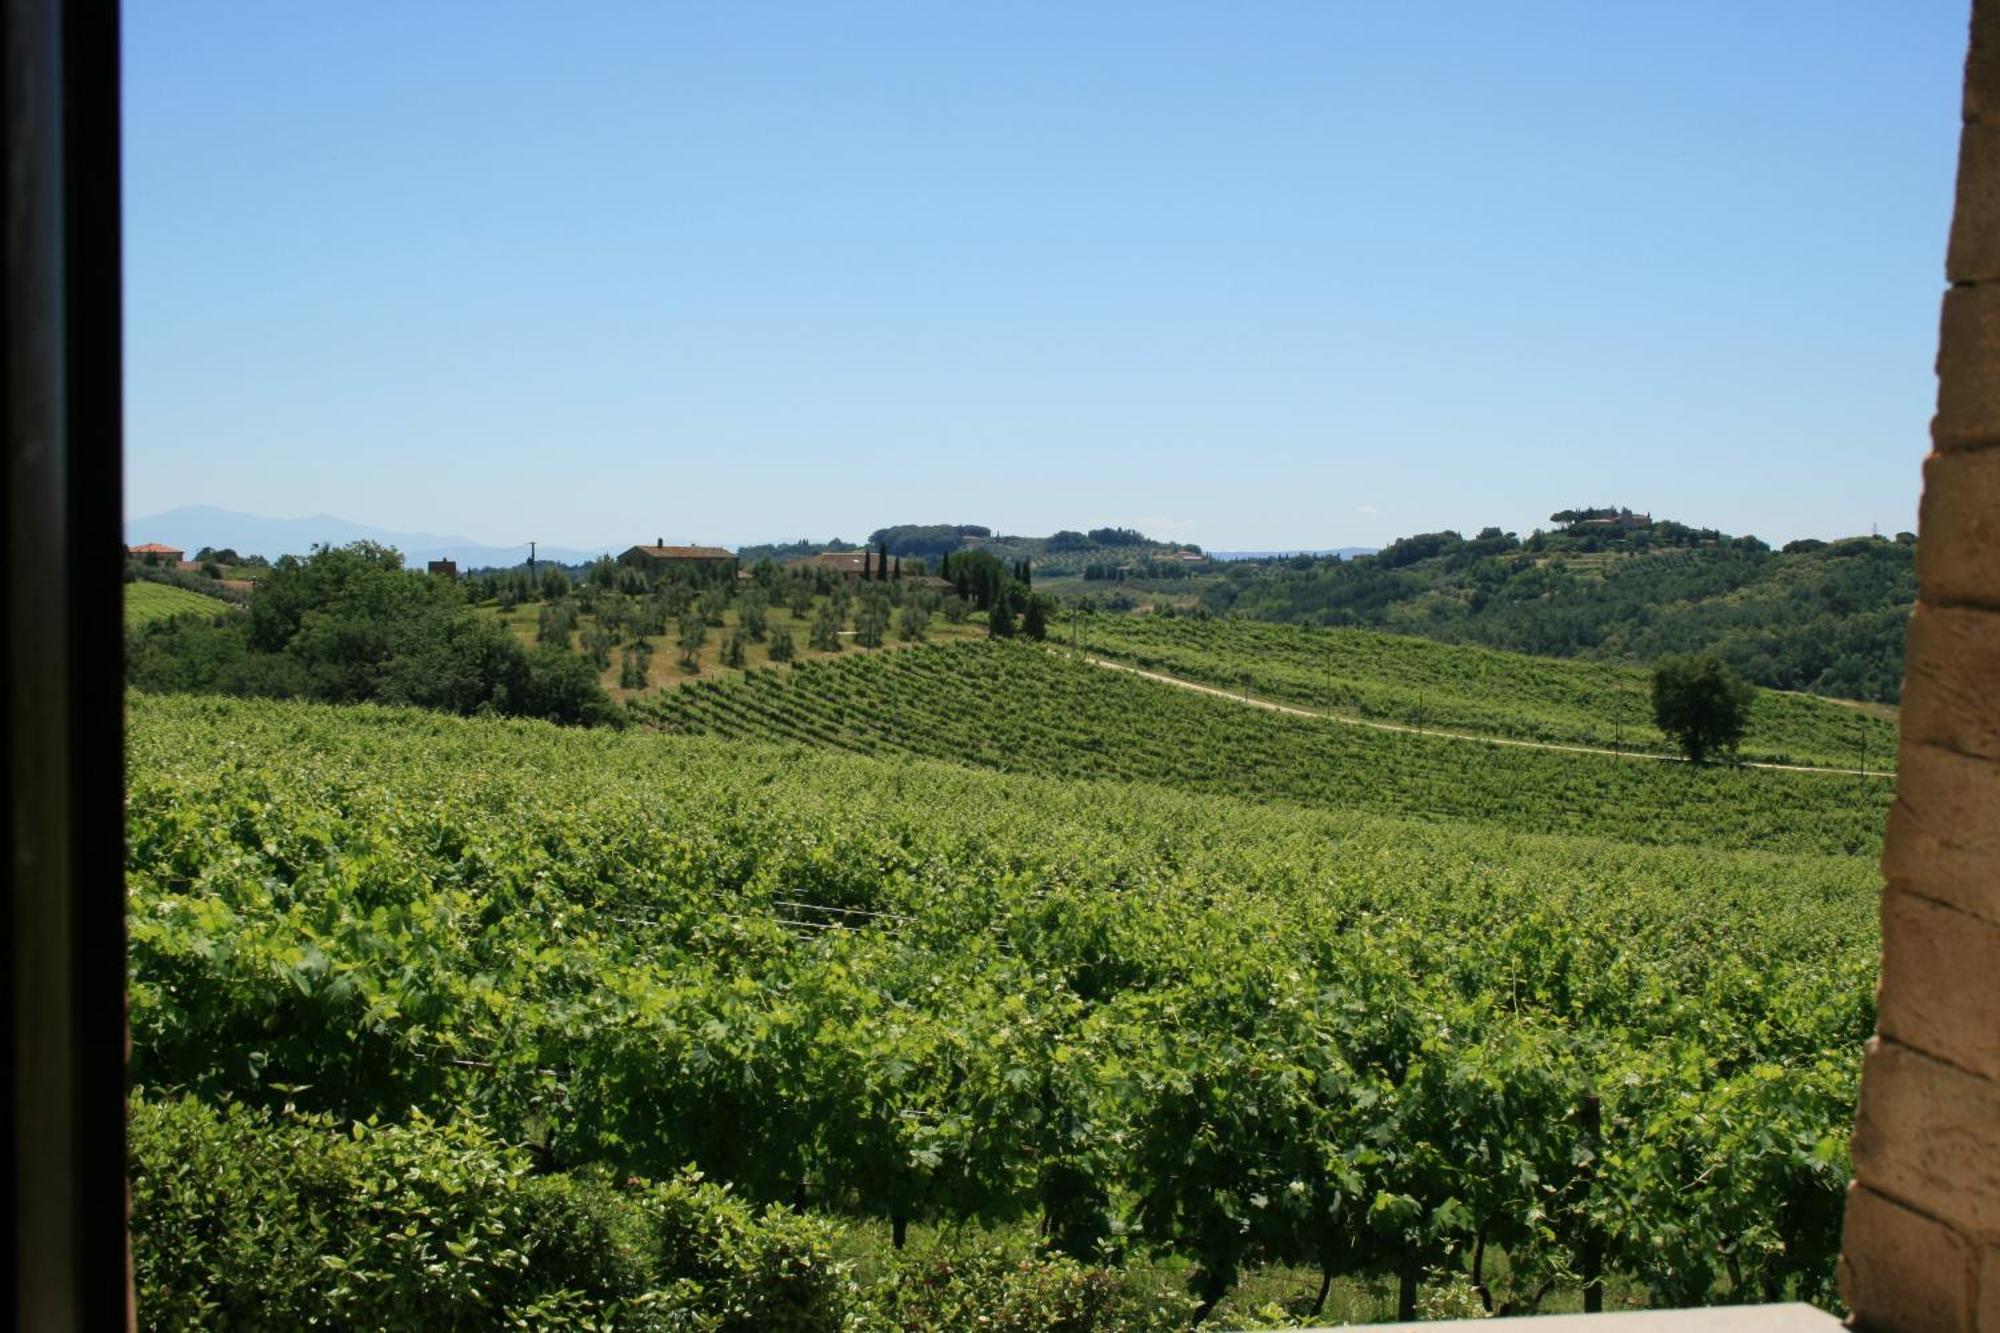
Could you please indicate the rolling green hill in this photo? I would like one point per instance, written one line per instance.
(147, 602)
(1026, 709)
(1400, 678)
(1825, 617)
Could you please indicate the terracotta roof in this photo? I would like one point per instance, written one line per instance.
(154, 548)
(684, 552)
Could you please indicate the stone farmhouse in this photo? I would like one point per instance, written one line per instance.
(660, 557)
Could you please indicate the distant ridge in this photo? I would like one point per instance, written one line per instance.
(192, 527)
(1342, 552)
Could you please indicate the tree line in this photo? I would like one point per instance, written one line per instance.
(350, 625)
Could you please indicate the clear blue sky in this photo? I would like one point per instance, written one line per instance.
(1246, 274)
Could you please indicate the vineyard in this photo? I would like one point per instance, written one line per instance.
(148, 602)
(1415, 681)
(1027, 710)
(463, 991)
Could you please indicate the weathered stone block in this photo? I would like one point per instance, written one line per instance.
(1941, 982)
(1900, 1270)
(1944, 829)
(1973, 254)
(1929, 1135)
(1958, 551)
(1982, 66)
(1988, 1298)
(1968, 367)
(1951, 680)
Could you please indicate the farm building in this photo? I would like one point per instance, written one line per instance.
(855, 565)
(846, 564)
(660, 557)
(153, 553)
(448, 568)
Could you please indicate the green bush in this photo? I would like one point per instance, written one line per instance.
(244, 1219)
(249, 1219)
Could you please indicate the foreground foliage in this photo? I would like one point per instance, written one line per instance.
(296, 1221)
(1138, 1021)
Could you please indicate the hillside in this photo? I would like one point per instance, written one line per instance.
(1024, 709)
(147, 602)
(1180, 1025)
(1821, 617)
(1461, 687)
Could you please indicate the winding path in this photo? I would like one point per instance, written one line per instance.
(1348, 719)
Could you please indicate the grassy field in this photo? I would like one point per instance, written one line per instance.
(147, 602)
(1464, 688)
(1197, 1007)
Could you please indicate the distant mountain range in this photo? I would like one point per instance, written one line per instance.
(1341, 552)
(192, 527)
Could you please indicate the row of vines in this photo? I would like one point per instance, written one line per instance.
(1144, 1024)
(1412, 681)
(1023, 709)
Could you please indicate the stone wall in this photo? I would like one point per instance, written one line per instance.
(1921, 1249)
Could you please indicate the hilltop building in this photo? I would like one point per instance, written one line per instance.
(448, 568)
(854, 566)
(844, 564)
(660, 557)
(153, 553)
(1602, 520)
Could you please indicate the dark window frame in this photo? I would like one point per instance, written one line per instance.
(63, 933)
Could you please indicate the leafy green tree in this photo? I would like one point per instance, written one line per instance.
(1000, 620)
(694, 633)
(754, 614)
(871, 620)
(597, 643)
(555, 584)
(736, 648)
(826, 629)
(912, 623)
(1702, 704)
(635, 665)
(1035, 618)
(603, 573)
(782, 648)
(555, 622)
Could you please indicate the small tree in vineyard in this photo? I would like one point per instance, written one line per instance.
(826, 630)
(1702, 704)
(694, 633)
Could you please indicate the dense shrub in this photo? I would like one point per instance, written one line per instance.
(351, 625)
(249, 1219)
